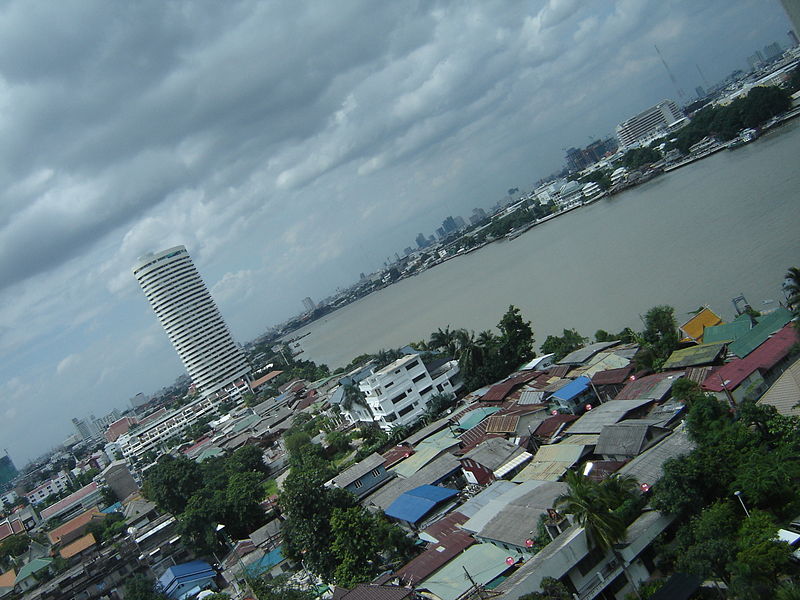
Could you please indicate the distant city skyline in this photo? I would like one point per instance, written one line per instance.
(287, 163)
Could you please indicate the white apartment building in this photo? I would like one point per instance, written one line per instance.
(153, 435)
(56, 485)
(399, 393)
(648, 124)
(190, 317)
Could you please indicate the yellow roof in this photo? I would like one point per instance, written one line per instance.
(693, 328)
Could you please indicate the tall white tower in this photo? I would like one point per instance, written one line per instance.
(190, 317)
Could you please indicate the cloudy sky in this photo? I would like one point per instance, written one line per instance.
(290, 146)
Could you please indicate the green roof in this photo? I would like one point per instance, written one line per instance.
(36, 565)
(473, 417)
(727, 332)
(209, 453)
(767, 325)
(485, 562)
(693, 356)
(245, 423)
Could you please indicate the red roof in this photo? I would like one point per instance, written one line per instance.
(642, 386)
(550, 425)
(262, 380)
(117, 428)
(612, 376)
(8, 528)
(766, 356)
(498, 392)
(396, 454)
(452, 540)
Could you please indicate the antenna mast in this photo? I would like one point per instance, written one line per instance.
(669, 72)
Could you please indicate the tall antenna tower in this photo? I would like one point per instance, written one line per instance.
(669, 72)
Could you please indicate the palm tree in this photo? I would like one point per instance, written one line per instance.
(444, 340)
(791, 287)
(592, 505)
(353, 395)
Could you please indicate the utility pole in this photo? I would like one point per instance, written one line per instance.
(475, 585)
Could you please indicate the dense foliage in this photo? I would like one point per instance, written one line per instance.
(488, 357)
(328, 531)
(753, 451)
(560, 346)
(220, 490)
(725, 122)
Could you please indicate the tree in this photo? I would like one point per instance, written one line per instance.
(353, 395)
(140, 587)
(549, 589)
(445, 340)
(791, 287)
(171, 482)
(354, 545)
(247, 459)
(659, 338)
(278, 588)
(14, 545)
(242, 512)
(570, 341)
(594, 507)
(516, 338)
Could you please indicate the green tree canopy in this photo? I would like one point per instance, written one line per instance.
(562, 345)
(171, 482)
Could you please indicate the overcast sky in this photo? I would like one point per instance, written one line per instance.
(290, 146)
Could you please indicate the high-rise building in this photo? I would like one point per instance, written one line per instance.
(193, 323)
(421, 240)
(308, 304)
(792, 8)
(755, 60)
(449, 225)
(772, 51)
(8, 471)
(649, 123)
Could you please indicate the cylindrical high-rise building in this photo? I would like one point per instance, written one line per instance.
(188, 314)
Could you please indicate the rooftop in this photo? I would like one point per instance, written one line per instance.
(484, 562)
(784, 393)
(582, 355)
(655, 386)
(648, 466)
(573, 389)
(694, 356)
(693, 328)
(72, 499)
(767, 325)
(414, 504)
(728, 332)
(609, 413)
(493, 453)
(358, 470)
(78, 546)
(774, 349)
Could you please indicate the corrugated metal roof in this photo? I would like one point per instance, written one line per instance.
(650, 386)
(603, 361)
(529, 396)
(628, 438)
(358, 470)
(472, 418)
(434, 472)
(582, 355)
(550, 425)
(559, 370)
(493, 453)
(446, 540)
(406, 468)
(519, 459)
(606, 414)
(766, 356)
(581, 439)
(414, 504)
(694, 356)
(648, 466)
(728, 332)
(784, 394)
(502, 424)
(78, 546)
(572, 389)
(693, 328)
(475, 504)
(612, 376)
(484, 562)
(534, 364)
(767, 325)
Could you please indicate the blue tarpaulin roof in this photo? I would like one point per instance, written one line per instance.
(572, 389)
(415, 504)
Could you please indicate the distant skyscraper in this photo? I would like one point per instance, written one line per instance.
(460, 222)
(792, 8)
(421, 240)
(308, 303)
(7, 471)
(84, 428)
(190, 317)
(701, 93)
(756, 60)
(772, 50)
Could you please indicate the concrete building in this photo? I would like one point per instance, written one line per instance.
(648, 123)
(86, 429)
(422, 241)
(190, 317)
(156, 433)
(58, 484)
(399, 393)
(308, 304)
(772, 51)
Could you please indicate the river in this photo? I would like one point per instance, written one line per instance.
(720, 227)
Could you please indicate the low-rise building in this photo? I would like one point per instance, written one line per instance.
(56, 485)
(399, 393)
